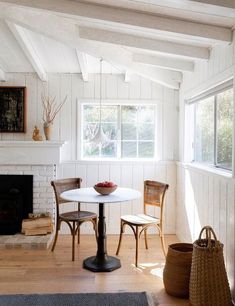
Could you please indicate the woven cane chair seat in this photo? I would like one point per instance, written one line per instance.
(140, 219)
(77, 216)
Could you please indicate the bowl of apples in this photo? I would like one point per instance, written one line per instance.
(105, 188)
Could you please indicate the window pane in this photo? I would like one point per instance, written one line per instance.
(109, 149)
(129, 113)
(109, 113)
(137, 124)
(109, 125)
(146, 131)
(90, 150)
(204, 140)
(224, 128)
(129, 149)
(146, 114)
(110, 130)
(91, 113)
(129, 131)
(89, 130)
(146, 149)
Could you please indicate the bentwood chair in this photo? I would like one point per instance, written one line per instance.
(74, 219)
(154, 195)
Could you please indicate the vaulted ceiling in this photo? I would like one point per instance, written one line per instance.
(157, 39)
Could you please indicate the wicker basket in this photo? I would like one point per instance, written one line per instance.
(176, 272)
(208, 280)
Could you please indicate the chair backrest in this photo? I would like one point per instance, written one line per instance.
(154, 194)
(62, 185)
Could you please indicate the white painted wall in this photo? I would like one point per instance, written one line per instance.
(205, 197)
(67, 127)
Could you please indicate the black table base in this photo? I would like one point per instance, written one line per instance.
(101, 262)
(109, 264)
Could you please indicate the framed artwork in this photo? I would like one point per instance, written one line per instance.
(12, 109)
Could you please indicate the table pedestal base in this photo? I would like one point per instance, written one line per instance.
(107, 264)
(101, 262)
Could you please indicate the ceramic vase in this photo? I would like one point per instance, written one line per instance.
(47, 131)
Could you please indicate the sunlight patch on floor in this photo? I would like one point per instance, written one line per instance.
(155, 268)
(157, 272)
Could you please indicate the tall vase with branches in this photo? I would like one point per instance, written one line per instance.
(50, 109)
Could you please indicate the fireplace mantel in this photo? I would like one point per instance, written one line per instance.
(30, 152)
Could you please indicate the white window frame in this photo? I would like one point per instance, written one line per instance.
(190, 112)
(157, 123)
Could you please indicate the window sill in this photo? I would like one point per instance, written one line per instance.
(118, 160)
(210, 169)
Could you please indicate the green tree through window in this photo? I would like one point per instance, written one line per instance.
(213, 130)
(130, 130)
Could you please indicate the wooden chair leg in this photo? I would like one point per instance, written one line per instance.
(55, 240)
(56, 236)
(78, 232)
(73, 239)
(136, 245)
(146, 238)
(162, 242)
(120, 237)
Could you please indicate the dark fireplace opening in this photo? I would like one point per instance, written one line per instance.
(16, 202)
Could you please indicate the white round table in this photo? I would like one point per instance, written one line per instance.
(101, 262)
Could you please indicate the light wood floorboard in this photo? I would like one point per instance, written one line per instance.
(43, 271)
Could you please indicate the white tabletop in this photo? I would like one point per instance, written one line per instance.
(89, 195)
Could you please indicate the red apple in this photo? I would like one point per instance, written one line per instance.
(99, 185)
(105, 184)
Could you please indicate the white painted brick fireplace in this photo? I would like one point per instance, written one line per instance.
(40, 159)
(42, 192)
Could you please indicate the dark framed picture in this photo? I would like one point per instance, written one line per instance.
(12, 109)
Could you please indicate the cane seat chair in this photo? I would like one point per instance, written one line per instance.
(74, 219)
(154, 195)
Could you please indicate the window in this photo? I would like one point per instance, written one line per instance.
(129, 129)
(204, 132)
(213, 129)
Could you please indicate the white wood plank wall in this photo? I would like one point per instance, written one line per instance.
(67, 124)
(67, 127)
(204, 197)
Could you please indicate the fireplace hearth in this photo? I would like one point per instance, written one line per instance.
(16, 201)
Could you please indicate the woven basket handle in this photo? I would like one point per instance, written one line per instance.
(209, 231)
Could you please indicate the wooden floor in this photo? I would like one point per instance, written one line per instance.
(43, 271)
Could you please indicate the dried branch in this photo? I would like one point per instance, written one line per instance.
(50, 109)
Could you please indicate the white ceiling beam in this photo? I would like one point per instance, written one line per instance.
(2, 76)
(60, 29)
(82, 60)
(224, 3)
(144, 43)
(127, 76)
(190, 5)
(164, 62)
(28, 49)
(131, 18)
